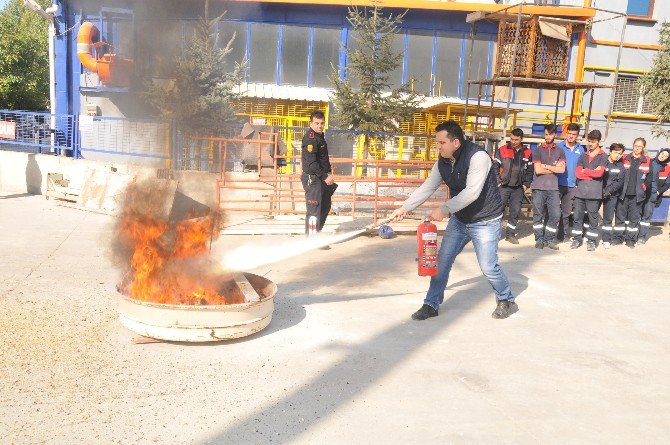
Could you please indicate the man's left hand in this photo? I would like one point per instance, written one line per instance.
(437, 215)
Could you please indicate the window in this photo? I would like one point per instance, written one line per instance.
(420, 61)
(351, 48)
(480, 61)
(238, 47)
(397, 46)
(628, 97)
(117, 30)
(157, 48)
(527, 95)
(325, 55)
(263, 53)
(549, 97)
(448, 64)
(641, 8)
(294, 55)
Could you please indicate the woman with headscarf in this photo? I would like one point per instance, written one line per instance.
(657, 183)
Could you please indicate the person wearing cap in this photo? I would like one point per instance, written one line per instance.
(589, 171)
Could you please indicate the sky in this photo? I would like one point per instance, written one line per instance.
(3, 3)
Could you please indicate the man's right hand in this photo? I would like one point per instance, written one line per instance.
(330, 180)
(399, 214)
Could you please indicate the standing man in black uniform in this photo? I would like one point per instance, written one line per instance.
(317, 178)
(612, 184)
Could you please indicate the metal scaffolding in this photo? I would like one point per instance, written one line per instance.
(524, 46)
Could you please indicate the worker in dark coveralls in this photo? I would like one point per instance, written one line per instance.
(476, 211)
(317, 178)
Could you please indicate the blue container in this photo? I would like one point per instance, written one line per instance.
(533, 146)
(660, 214)
(537, 129)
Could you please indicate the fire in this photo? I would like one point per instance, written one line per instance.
(169, 261)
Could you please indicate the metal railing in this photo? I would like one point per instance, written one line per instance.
(35, 132)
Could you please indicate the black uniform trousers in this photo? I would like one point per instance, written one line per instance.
(514, 197)
(609, 207)
(550, 200)
(318, 198)
(567, 203)
(645, 220)
(628, 214)
(591, 207)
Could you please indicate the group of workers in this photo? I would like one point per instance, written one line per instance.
(566, 179)
(569, 180)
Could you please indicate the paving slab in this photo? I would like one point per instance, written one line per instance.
(585, 360)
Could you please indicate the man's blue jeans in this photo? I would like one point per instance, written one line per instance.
(484, 236)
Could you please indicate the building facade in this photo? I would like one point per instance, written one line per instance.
(291, 48)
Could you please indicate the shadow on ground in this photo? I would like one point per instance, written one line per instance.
(364, 364)
(16, 195)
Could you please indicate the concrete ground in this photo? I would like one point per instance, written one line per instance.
(586, 359)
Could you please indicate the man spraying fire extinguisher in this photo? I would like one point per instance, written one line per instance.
(476, 208)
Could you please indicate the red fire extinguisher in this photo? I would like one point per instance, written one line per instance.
(426, 238)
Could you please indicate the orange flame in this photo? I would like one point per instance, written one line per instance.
(168, 263)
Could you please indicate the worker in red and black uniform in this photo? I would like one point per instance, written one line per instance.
(658, 171)
(588, 196)
(612, 183)
(663, 180)
(632, 196)
(317, 178)
(513, 164)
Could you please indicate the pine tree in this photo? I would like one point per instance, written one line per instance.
(373, 106)
(655, 84)
(201, 97)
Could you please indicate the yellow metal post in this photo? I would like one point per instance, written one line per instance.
(168, 161)
(359, 153)
(401, 141)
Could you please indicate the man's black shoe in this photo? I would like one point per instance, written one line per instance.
(575, 244)
(539, 244)
(512, 239)
(590, 246)
(552, 245)
(425, 312)
(630, 244)
(504, 309)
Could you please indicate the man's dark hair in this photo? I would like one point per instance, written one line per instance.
(518, 132)
(550, 128)
(454, 131)
(316, 114)
(594, 135)
(616, 146)
(573, 127)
